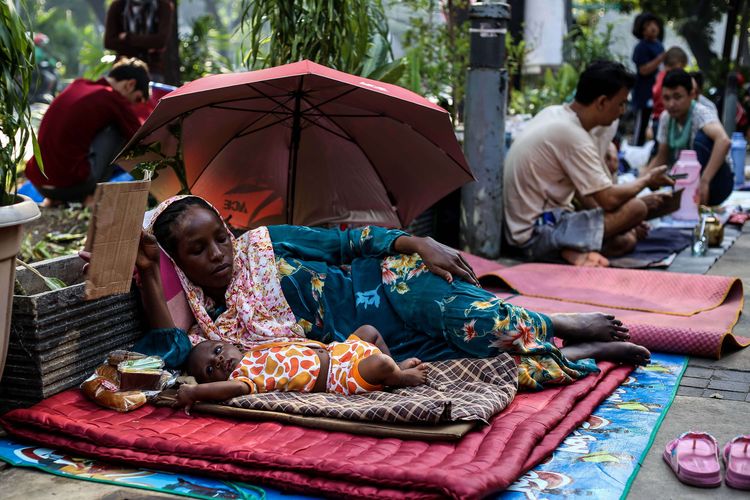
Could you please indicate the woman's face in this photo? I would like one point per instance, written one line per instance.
(204, 248)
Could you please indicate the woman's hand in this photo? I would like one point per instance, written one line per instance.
(440, 259)
(186, 396)
(148, 253)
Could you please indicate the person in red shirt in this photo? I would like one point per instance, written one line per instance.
(83, 130)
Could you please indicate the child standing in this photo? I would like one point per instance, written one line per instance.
(647, 56)
(360, 364)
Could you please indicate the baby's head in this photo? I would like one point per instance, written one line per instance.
(675, 58)
(213, 361)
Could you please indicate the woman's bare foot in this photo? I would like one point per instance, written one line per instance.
(585, 259)
(623, 352)
(588, 327)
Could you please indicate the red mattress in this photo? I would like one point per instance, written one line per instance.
(320, 462)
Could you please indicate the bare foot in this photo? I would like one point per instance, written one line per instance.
(623, 352)
(416, 374)
(585, 259)
(588, 327)
(409, 363)
(411, 376)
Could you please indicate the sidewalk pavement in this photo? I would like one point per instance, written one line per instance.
(714, 396)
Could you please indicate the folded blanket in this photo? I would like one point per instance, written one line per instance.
(458, 390)
(660, 243)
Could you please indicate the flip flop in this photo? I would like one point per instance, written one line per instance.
(737, 460)
(694, 458)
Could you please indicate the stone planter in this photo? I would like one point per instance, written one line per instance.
(57, 338)
(12, 219)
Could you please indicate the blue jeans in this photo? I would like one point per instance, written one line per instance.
(723, 182)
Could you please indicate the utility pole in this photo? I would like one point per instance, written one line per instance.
(484, 137)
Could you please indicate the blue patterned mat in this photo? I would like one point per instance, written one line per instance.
(602, 457)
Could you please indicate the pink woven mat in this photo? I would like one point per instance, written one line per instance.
(666, 312)
(705, 334)
(648, 291)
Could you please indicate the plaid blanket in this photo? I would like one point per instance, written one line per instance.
(456, 390)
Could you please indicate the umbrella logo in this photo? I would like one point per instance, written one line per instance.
(235, 206)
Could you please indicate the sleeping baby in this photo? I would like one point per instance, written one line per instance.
(360, 364)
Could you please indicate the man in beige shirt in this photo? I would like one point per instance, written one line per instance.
(557, 157)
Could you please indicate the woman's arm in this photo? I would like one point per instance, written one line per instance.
(338, 247)
(333, 246)
(187, 395)
(154, 301)
(440, 259)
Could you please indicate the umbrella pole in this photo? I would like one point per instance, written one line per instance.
(294, 148)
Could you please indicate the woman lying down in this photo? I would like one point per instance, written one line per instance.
(278, 304)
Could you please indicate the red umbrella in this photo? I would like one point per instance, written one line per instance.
(304, 144)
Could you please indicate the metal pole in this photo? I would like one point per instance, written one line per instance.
(484, 139)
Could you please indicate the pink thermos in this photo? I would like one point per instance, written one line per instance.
(687, 164)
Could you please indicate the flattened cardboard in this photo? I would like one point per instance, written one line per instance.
(113, 237)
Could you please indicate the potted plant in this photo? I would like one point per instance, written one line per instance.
(16, 65)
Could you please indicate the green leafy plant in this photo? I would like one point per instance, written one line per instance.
(160, 160)
(437, 54)
(583, 44)
(16, 66)
(348, 35)
(51, 283)
(201, 50)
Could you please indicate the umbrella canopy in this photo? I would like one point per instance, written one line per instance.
(303, 144)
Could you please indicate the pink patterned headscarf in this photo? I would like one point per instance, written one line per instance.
(257, 311)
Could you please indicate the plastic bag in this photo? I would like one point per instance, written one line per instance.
(143, 376)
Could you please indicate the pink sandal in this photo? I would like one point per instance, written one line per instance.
(737, 460)
(694, 458)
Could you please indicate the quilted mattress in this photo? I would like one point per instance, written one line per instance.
(314, 461)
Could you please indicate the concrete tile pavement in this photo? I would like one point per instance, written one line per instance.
(713, 397)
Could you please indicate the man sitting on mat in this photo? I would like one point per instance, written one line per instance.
(688, 124)
(557, 157)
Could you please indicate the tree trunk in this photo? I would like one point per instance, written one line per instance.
(695, 33)
(172, 54)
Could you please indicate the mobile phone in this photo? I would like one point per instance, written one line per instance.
(678, 176)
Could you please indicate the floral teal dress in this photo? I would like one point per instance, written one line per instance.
(336, 281)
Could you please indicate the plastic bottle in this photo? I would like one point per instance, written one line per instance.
(687, 164)
(737, 152)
